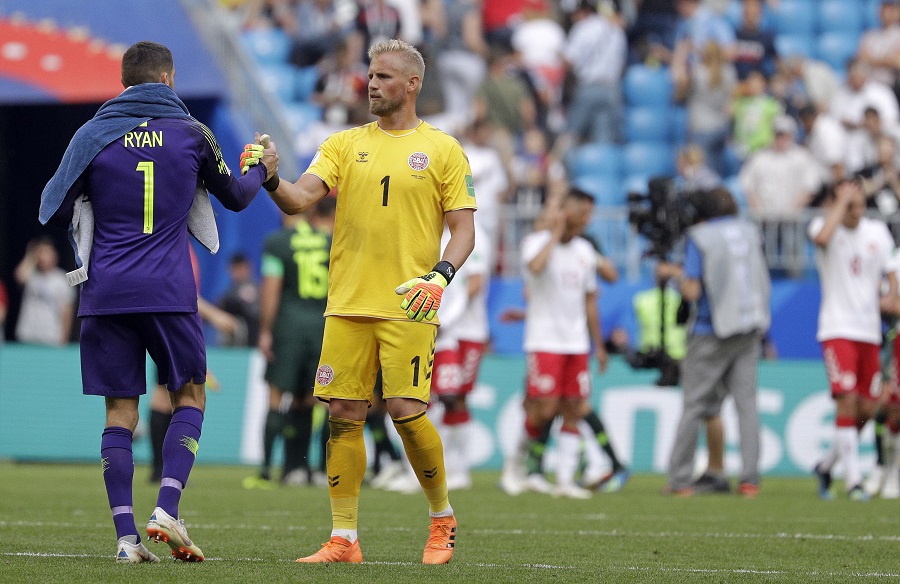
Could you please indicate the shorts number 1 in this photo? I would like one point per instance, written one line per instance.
(415, 363)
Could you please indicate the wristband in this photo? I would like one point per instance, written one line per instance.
(272, 184)
(445, 269)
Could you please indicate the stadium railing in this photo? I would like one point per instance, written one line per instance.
(788, 250)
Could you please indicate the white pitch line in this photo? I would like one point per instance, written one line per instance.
(519, 532)
(654, 570)
(658, 570)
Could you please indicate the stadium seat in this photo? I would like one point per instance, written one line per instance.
(872, 17)
(840, 16)
(301, 115)
(305, 79)
(595, 159)
(636, 183)
(649, 159)
(795, 17)
(279, 78)
(836, 48)
(647, 86)
(789, 45)
(267, 46)
(607, 191)
(678, 126)
(734, 14)
(646, 123)
(734, 187)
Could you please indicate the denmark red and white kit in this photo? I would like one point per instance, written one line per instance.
(851, 268)
(556, 331)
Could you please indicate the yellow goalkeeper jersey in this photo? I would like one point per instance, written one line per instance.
(393, 188)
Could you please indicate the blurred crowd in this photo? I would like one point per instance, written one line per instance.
(524, 82)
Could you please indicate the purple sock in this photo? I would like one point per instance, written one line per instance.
(118, 473)
(179, 450)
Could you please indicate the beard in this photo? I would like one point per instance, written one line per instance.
(384, 107)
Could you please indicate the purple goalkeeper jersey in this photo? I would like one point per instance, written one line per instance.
(141, 188)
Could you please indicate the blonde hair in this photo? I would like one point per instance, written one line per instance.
(413, 63)
(713, 56)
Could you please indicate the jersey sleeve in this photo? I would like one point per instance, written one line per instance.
(458, 189)
(815, 226)
(234, 193)
(693, 263)
(533, 244)
(326, 162)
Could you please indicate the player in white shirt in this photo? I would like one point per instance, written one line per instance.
(853, 255)
(561, 322)
(459, 346)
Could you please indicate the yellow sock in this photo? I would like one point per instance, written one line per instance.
(426, 455)
(345, 462)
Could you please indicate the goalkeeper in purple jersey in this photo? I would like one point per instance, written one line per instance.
(132, 184)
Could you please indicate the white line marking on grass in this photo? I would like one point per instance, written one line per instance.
(656, 570)
(522, 532)
(112, 556)
(758, 572)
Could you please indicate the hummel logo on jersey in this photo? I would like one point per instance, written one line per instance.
(430, 473)
(362, 156)
(334, 481)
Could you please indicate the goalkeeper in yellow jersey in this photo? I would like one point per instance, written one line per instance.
(398, 180)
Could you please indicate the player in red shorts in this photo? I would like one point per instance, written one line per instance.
(562, 321)
(853, 255)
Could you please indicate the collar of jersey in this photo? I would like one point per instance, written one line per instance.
(406, 132)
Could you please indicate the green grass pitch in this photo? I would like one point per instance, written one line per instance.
(55, 527)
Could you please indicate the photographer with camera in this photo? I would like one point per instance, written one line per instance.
(725, 275)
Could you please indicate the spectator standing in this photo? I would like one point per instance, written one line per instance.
(857, 94)
(854, 256)
(780, 181)
(803, 81)
(754, 112)
(341, 87)
(707, 89)
(693, 172)
(462, 57)
(697, 26)
(376, 21)
(539, 40)
(754, 48)
(881, 180)
(241, 300)
(725, 274)
(827, 142)
(595, 53)
(316, 28)
(879, 48)
(47, 309)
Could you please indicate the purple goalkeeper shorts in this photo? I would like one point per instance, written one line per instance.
(114, 352)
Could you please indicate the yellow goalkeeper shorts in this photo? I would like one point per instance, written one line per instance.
(354, 347)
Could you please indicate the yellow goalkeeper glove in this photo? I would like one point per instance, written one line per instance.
(253, 153)
(250, 156)
(423, 294)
